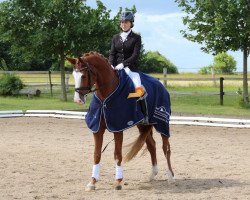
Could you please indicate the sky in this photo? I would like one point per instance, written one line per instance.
(159, 22)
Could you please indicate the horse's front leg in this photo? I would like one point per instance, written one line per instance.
(98, 140)
(118, 137)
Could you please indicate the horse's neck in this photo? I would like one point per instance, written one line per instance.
(106, 83)
(106, 78)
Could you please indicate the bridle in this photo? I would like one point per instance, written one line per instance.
(90, 72)
(88, 88)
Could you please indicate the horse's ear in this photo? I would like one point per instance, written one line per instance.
(71, 60)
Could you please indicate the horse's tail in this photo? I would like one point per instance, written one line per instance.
(136, 146)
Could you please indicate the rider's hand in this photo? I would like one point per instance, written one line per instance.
(119, 66)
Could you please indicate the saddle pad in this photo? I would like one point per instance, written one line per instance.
(121, 113)
(158, 103)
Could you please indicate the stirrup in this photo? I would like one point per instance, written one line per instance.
(145, 120)
(139, 92)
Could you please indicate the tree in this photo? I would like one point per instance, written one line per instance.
(5, 55)
(155, 62)
(219, 26)
(15, 60)
(56, 28)
(206, 69)
(224, 63)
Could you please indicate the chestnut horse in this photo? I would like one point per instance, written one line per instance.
(90, 70)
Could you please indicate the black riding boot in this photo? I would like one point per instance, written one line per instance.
(144, 109)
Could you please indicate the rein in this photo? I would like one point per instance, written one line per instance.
(89, 87)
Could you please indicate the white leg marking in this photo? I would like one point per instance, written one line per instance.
(171, 178)
(154, 172)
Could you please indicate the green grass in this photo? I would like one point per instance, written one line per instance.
(208, 105)
(190, 104)
(44, 102)
(205, 105)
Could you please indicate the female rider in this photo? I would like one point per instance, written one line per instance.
(125, 51)
(124, 54)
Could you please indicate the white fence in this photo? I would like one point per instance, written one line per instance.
(175, 120)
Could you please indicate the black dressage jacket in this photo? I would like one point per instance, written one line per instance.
(126, 52)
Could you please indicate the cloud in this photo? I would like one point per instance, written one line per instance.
(162, 33)
(165, 26)
(165, 17)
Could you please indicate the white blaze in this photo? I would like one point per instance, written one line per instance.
(77, 77)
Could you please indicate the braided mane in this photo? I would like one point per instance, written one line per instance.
(94, 53)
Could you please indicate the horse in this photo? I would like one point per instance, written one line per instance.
(93, 73)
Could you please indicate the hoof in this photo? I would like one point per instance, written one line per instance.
(152, 177)
(154, 172)
(171, 178)
(90, 187)
(118, 187)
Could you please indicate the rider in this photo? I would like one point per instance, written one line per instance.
(125, 50)
(124, 54)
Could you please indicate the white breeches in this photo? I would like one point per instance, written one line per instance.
(135, 77)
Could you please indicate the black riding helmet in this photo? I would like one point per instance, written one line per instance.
(127, 15)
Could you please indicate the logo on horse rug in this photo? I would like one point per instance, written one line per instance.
(121, 113)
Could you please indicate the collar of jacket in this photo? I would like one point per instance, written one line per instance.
(129, 36)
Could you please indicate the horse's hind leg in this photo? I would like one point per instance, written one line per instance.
(118, 136)
(151, 145)
(136, 146)
(167, 153)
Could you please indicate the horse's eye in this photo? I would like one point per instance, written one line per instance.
(83, 76)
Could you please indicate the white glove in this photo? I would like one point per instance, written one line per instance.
(119, 66)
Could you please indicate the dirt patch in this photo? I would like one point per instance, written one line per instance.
(49, 158)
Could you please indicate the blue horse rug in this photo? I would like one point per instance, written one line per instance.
(121, 113)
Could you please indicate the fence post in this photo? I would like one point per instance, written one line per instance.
(165, 72)
(50, 83)
(213, 76)
(67, 81)
(221, 90)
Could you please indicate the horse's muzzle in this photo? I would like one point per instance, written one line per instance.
(80, 100)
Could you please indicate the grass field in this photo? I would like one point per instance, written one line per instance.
(198, 103)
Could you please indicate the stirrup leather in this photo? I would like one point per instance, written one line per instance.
(139, 92)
